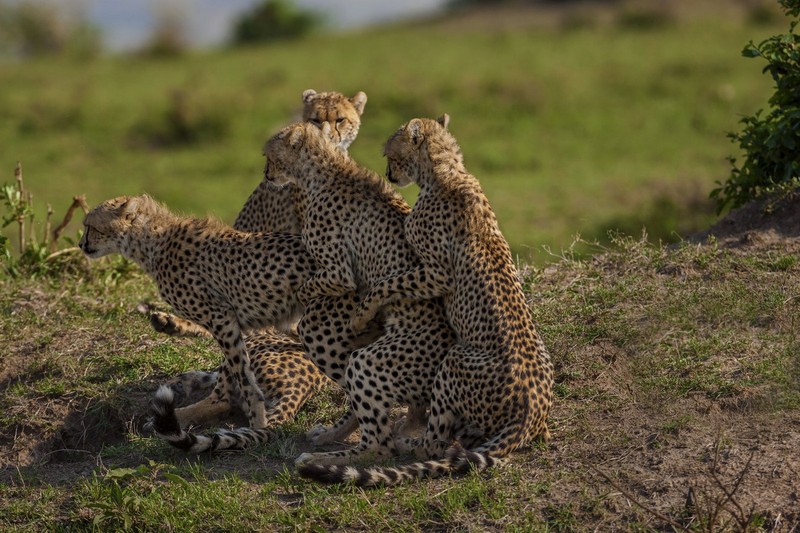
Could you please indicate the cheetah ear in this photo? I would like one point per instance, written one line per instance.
(129, 210)
(297, 136)
(444, 120)
(309, 95)
(359, 101)
(414, 129)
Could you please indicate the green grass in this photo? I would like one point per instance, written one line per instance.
(570, 131)
(640, 336)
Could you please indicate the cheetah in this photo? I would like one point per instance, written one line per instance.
(227, 281)
(493, 390)
(287, 378)
(354, 230)
(279, 209)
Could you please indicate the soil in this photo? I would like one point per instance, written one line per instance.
(759, 224)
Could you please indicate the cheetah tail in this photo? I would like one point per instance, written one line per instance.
(166, 426)
(456, 461)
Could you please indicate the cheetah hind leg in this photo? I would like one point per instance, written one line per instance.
(339, 431)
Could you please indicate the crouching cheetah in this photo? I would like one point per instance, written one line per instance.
(279, 209)
(226, 281)
(286, 377)
(492, 391)
(354, 230)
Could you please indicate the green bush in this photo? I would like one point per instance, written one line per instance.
(769, 140)
(273, 20)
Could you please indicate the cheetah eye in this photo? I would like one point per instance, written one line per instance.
(340, 120)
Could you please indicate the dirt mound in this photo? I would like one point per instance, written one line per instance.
(771, 220)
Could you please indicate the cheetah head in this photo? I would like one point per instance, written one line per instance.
(404, 148)
(289, 150)
(342, 113)
(106, 227)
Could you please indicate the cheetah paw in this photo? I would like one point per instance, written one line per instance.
(322, 435)
(163, 323)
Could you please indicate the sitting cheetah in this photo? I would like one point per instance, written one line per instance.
(270, 208)
(226, 281)
(284, 374)
(492, 391)
(354, 230)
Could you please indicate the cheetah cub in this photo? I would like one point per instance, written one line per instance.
(354, 230)
(286, 377)
(226, 281)
(493, 390)
(279, 209)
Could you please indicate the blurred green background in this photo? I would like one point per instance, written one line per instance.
(576, 118)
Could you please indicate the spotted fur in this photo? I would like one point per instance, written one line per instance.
(354, 229)
(279, 209)
(286, 377)
(493, 390)
(227, 281)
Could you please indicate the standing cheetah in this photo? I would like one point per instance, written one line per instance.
(279, 209)
(227, 281)
(493, 390)
(354, 230)
(286, 377)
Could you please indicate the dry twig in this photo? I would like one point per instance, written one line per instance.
(77, 201)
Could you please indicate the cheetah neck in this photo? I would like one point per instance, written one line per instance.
(146, 239)
(328, 166)
(441, 163)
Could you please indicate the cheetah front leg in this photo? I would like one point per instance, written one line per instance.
(325, 283)
(421, 283)
(335, 275)
(328, 343)
(228, 334)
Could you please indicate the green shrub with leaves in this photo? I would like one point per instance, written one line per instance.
(273, 20)
(769, 140)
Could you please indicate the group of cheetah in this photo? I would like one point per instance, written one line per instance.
(327, 273)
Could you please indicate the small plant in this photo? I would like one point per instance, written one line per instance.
(35, 256)
(710, 506)
(119, 500)
(770, 140)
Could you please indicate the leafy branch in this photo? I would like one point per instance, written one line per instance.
(770, 140)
